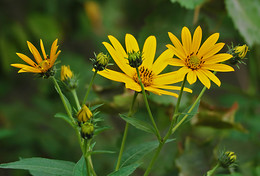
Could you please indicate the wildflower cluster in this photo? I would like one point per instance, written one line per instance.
(141, 73)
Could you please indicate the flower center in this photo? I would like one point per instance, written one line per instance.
(193, 62)
(145, 75)
(44, 65)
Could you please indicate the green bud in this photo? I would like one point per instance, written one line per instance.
(227, 159)
(87, 130)
(100, 61)
(135, 58)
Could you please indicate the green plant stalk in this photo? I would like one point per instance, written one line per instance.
(148, 107)
(89, 87)
(70, 116)
(130, 113)
(74, 93)
(88, 158)
(162, 142)
(212, 171)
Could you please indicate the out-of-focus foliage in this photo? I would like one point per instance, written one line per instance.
(28, 104)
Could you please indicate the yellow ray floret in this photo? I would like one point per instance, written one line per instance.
(196, 60)
(42, 65)
(149, 69)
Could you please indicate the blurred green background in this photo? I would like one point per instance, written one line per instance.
(229, 116)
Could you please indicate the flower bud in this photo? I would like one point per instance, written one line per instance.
(135, 58)
(227, 159)
(87, 130)
(100, 62)
(84, 114)
(241, 51)
(68, 78)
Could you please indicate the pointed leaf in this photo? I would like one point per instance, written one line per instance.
(42, 165)
(64, 117)
(139, 124)
(136, 153)
(125, 171)
(80, 168)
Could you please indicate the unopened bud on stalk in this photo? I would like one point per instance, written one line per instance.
(238, 53)
(68, 78)
(227, 159)
(100, 61)
(135, 58)
(84, 114)
(87, 130)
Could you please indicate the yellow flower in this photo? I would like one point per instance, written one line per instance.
(149, 70)
(196, 61)
(65, 73)
(241, 50)
(41, 65)
(84, 114)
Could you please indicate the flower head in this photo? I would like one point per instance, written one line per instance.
(196, 60)
(149, 70)
(42, 66)
(87, 130)
(84, 114)
(135, 59)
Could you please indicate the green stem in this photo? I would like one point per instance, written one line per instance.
(89, 87)
(74, 93)
(148, 107)
(174, 119)
(88, 158)
(63, 99)
(130, 113)
(70, 116)
(212, 171)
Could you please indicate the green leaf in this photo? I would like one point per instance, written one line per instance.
(99, 130)
(100, 152)
(125, 171)
(189, 4)
(5, 133)
(80, 168)
(245, 15)
(66, 100)
(64, 117)
(139, 124)
(136, 153)
(42, 165)
(92, 108)
(190, 114)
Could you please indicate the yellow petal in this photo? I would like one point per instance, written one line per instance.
(31, 69)
(203, 78)
(54, 58)
(118, 47)
(176, 52)
(43, 50)
(20, 65)
(186, 40)
(54, 48)
(120, 77)
(208, 44)
(191, 77)
(196, 41)
(149, 52)
(160, 92)
(211, 76)
(218, 67)
(177, 45)
(175, 62)
(161, 62)
(218, 58)
(131, 43)
(172, 88)
(216, 48)
(27, 59)
(170, 78)
(35, 52)
(120, 61)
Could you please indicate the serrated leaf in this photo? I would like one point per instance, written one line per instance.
(189, 4)
(139, 124)
(44, 165)
(125, 171)
(63, 116)
(80, 168)
(136, 153)
(246, 16)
